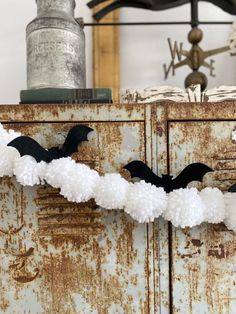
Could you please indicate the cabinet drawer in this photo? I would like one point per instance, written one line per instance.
(62, 257)
(203, 258)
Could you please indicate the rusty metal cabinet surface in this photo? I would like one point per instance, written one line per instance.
(60, 257)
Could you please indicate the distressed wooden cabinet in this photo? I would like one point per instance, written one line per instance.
(60, 257)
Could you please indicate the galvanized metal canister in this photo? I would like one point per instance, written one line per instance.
(55, 47)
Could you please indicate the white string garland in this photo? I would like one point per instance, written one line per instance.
(142, 201)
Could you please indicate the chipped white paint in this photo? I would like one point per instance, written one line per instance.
(80, 302)
(220, 93)
(153, 94)
(129, 146)
(233, 135)
(194, 93)
(170, 93)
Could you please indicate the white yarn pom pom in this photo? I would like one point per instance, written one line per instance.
(58, 170)
(230, 214)
(28, 171)
(145, 202)
(110, 191)
(7, 136)
(185, 208)
(78, 185)
(8, 155)
(214, 203)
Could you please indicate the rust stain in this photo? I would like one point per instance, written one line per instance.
(17, 266)
(159, 131)
(207, 280)
(191, 244)
(12, 231)
(212, 276)
(159, 293)
(194, 242)
(197, 242)
(124, 246)
(98, 291)
(57, 216)
(194, 271)
(26, 278)
(85, 274)
(28, 253)
(88, 154)
(218, 252)
(190, 255)
(4, 304)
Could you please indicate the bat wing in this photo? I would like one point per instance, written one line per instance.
(140, 170)
(193, 172)
(28, 146)
(76, 135)
(232, 189)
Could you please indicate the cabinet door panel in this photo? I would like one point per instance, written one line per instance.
(204, 257)
(59, 257)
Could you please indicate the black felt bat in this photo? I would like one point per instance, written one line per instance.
(28, 146)
(155, 5)
(193, 172)
(232, 189)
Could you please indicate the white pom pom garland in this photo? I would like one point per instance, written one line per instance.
(28, 171)
(145, 202)
(185, 208)
(8, 155)
(214, 203)
(59, 170)
(7, 136)
(230, 213)
(110, 191)
(79, 183)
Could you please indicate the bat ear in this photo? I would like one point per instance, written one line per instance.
(79, 133)
(136, 168)
(87, 130)
(232, 189)
(131, 167)
(76, 135)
